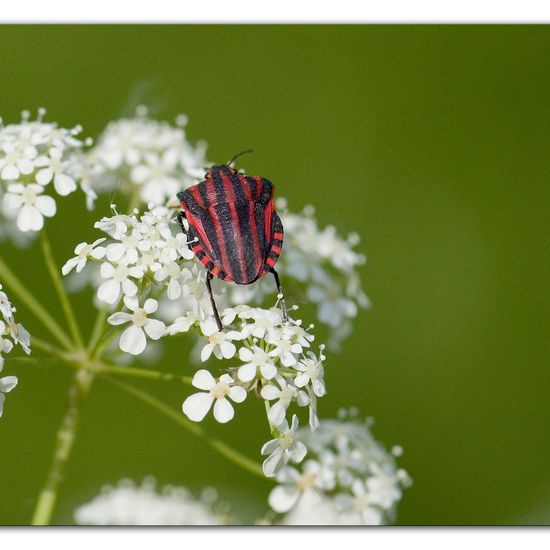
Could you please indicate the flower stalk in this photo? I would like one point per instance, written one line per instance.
(64, 444)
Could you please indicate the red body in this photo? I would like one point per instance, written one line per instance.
(235, 232)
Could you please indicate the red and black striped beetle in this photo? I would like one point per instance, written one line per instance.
(234, 230)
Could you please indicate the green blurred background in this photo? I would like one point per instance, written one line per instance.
(432, 143)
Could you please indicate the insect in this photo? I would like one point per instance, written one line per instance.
(234, 230)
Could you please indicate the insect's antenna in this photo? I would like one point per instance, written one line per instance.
(238, 155)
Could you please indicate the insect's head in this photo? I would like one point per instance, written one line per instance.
(218, 169)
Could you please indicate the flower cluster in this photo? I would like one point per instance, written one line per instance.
(141, 256)
(144, 261)
(35, 157)
(131, 504)
(11, 333)
(146, 156)
(349, 478)
(273, 360)
(323, 266)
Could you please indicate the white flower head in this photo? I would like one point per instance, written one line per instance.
(84, 251)
(282, 449)
(31, 206)
(219, 392)
(133, 340)
(131, 504)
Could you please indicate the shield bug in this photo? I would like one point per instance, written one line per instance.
(234, 230)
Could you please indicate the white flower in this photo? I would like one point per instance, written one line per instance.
(333, 307)
(361, 503)
(183, 323)
(53, 167)
(255, 359)
(219, 343)
(283, 449)
(284, 348)
(17, 160)
(133, 339)
(176, 275)
(83, 251)
(7, 383)
(118, 280)
(30, 204)
(157, 176)
(295, 485)
(284, 395)
(128, 504)
(383, 487)
(311, 372)
(196, 406)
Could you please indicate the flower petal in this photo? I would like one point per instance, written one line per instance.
(203, 380)
(108, 291)
(46, 205)
(223, 411)
(196, 406)
(237, 394)
(8, 383)
(154, 328)
(133, 340)
(282, 498)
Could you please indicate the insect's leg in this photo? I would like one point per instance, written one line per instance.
(209, 277)
(181, 217)
(281, 295)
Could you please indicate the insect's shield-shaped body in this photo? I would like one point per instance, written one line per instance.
(233, 227)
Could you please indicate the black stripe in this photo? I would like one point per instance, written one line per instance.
(232, 245)
(247, 244)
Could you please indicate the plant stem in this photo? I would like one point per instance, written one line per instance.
(65, 439)
(17, 287)
(144, 373)
(97, 331)
(228, 452)
(55, 275)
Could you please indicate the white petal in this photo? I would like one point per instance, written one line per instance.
(174, 289)
(206, 352)
(2, 398)
(64, 184)
(277, 414)
(44, 176)
(297, 452)
(69, 265)
(223, 411)
(154, 328)
(196, 406)
(203, 380)
(270, 392)
(237, 394)
(106, 270)
(108, 291)
(8, 383)
(150, 306)
(10, 172)
(245, 354)
(133, 340)
(29, 219)
(282, 498)
(246, 372)
(273, 463)
(268, 371)
(228, 349)
(46, 205)
(119, 318)
(270, 446)
(129, 287)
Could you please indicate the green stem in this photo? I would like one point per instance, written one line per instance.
(144, 373)
(97, 331)
(65, 439)
(228, 452)
(17, 287)
(55, 275)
